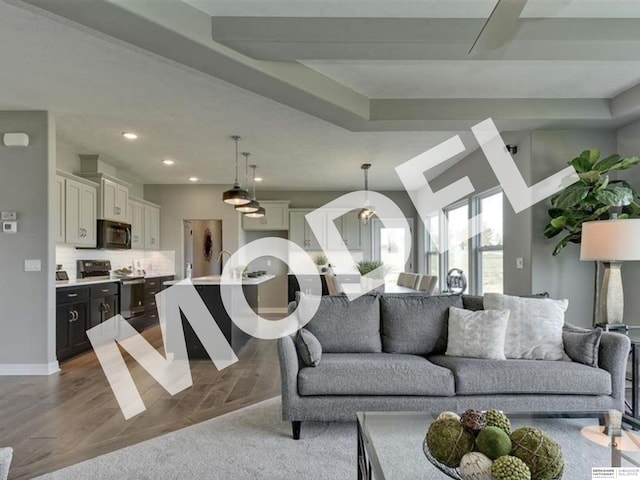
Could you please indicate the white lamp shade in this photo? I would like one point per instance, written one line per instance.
(611, 240)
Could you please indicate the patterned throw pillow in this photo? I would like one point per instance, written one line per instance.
(478, 334)
(308, 348)
(534, 330)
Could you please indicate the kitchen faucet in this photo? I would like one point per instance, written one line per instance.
(222, 253)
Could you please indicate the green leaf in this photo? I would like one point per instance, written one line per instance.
(597, 214)
(626, 163)
(590, 177)
(603, 182)
(550, 231)
(573, 238)
(615, 196)
(555, 212)
(606, 163)
(581, 164)
(572, 195)
(592, 155)
(623, 216)
(559, 222)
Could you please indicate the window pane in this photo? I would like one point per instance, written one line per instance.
(433, 264)
(392, 254)
(433, 235)
(491, 208)
(492, 277)
(458, 239)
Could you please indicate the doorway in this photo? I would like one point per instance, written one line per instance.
(202, 244)
(389, 248)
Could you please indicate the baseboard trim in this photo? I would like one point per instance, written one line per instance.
(272, 309)
(25, 369)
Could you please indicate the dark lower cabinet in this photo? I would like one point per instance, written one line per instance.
(79, 309)
(152, 286)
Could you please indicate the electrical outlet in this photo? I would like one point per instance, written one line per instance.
(519, 263)
(10, 227)
(32, 265)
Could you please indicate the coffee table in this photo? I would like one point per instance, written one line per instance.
(390, 444)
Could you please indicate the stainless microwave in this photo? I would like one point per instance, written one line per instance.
(114, 235)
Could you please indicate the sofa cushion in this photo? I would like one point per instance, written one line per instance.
(479, 376)
(347, 326)
(416, 324)
(375, 374)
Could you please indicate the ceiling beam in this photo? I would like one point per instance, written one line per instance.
(314, 38)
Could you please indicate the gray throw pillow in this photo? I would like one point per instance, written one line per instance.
(477, 334)
(308, 348)
(582, 346)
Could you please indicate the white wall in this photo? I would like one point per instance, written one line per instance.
(27, 299)
(629, 145)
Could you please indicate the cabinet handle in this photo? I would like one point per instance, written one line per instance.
(118, 210)
(105, 290)
(72, 295)
(135, 238)
(108, 307)
(74, 316)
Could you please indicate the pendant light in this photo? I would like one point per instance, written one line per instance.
(368, 211)
(236, 195)
(260, 212)
(253, 205)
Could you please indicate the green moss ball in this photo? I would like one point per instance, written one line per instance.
(498, 419)
(493, 442)
(448, 441)
(510, 468)
(542, 455)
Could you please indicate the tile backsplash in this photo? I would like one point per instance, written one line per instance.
(154, 262)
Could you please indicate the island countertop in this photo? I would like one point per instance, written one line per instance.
(217, 280)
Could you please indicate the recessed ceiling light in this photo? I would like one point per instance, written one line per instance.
(168, 161)
(193, 179)
(129, 135)
(258, 179)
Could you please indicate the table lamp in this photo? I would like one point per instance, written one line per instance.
(611, 242)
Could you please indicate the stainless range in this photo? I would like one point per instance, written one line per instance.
(131, 287)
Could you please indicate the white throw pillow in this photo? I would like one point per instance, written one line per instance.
(479, 334)
(534, 330)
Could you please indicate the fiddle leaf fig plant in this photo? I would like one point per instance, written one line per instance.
(594, 197)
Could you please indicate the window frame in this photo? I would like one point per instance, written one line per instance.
(478, 248)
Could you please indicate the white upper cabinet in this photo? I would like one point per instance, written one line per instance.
(348, 226)
(80, 213)
(151, 227)
(135, 210)
(115, 197)
(276, 217)
(59, 202)
(300, 232)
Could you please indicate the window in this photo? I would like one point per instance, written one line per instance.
(480, 258)
(489, 252)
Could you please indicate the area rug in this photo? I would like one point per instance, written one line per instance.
(254, 443)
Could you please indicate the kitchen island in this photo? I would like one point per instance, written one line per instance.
(209, 290)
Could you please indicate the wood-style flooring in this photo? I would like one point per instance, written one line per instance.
(55, 421)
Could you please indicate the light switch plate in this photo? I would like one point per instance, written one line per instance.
(32, 265)
(519, 263)
(10, 227)
(6, 216)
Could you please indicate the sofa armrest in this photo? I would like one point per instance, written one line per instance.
(289, 367)
(613, 357)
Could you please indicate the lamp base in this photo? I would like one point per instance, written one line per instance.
(611, 308)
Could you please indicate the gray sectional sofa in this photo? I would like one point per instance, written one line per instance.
(386, 353)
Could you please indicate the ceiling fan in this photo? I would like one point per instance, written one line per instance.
(500, 28)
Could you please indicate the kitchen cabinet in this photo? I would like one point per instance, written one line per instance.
(115, 198)
(300, 232)
(151, 227)
(80, 213)
(77, 310)
(152, 286)
(59, 202)
(136, 219)
(348, 226)
(276, 217)
(72, 322)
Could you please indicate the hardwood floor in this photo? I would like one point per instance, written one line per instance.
(62, 419)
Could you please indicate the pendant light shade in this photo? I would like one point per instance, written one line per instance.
(365, 214)
(259, 212)
(236, 195)
(252, 205)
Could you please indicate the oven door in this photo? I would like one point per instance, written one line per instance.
(132, 298)
(114, 235)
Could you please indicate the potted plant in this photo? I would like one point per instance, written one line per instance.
(594, 197)
(321, 260)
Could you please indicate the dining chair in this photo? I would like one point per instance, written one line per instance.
(428, 284)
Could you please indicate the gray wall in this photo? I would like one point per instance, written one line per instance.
(517, 227)
(564, 276)
(629, 145)
(27, 299)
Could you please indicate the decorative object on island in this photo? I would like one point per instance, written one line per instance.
(611, 242)
(368, 210)
(594, 197)
(236, 195)
(260, 212)
(321, 260)
(456, 281)
(480, 446)
(253, 205)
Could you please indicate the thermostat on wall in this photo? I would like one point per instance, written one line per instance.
(15, 140)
